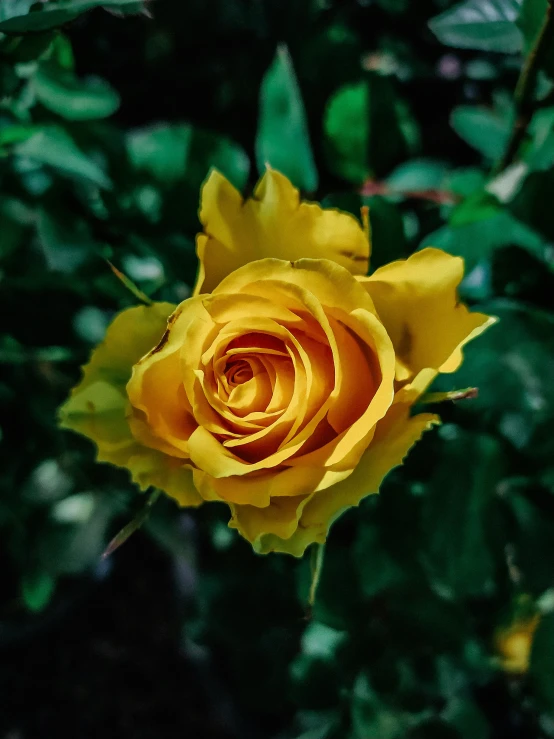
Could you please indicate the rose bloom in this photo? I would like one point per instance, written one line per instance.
(513, 644)
(284, 387)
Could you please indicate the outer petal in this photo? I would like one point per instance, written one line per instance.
(395, 436)
(417, 301)
(273, 223)
(280, 519)
(98, 405)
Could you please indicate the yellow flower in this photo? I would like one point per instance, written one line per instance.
(513, 644)
(284, 386)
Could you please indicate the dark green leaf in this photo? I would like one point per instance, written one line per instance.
(457, 513)
(55, 15)
(347, 131)
(37, 589)
(532, 203)
(388, 240)
(371, 717)
(418, 175)
(182, 152)
(65, 242)
(283, 140)
(488, 25)
(531, 510)
(476, 235)
(12, 233)
(466, 717)
(14, 8)
(511, 367)
(540, 153)
(354, 119)
(54, 147)
(77, 100)
(482, 129)
(379, 571)
(542, 662)
(13, 134)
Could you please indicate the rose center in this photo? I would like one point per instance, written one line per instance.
(238, 372)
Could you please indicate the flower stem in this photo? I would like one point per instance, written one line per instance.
(525, 105)
(133, 525)
(316, 566)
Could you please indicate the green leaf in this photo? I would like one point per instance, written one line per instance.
(54, 15)
(75, 536)
(346, 128)
(37, 589)
(371, 717)
(314, 671)
(66, 242)
(379, 571)
(54, 147)
(433, 728)
(14, 8)
(13, 134)
(512, 366)
(418, 175)
(77, 100)
(182, 152)
(540, 153)
(487, 25)
(283, 139)
(482, 129)
(355, 119)
(466, 717)
(542, 662)
(162, 151)
(457, 512)
(532, 204)
(533, 521)
(12, 233)
(388, 240)
(475, 234)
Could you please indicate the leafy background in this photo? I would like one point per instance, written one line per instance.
(110, 119)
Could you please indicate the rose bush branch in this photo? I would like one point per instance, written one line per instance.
(525, 103)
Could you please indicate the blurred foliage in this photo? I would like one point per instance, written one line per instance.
(110, 118)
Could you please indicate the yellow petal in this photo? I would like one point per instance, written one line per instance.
(259, 489)
(98, 406)
(272, 223)
(318, 287)
(279, 519)
(394, 437)
(417, 301)
(150, 468)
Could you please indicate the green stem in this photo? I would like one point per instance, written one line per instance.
(525, 105)
(316, 567)
(140, 518)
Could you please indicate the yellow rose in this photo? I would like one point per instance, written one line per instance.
(513, 644)
(284, 386)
